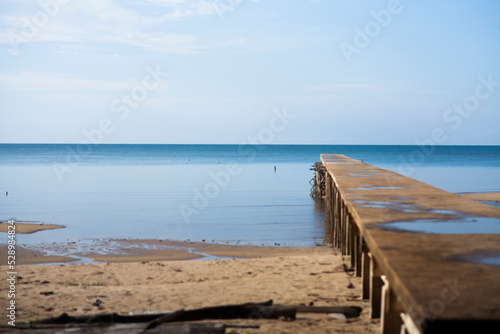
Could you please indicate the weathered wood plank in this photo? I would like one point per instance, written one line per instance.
(434, 276)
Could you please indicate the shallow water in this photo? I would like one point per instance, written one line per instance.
(225, 193)
(255, 207)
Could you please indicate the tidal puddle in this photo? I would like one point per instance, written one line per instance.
(493, 260)
(403, 207)
(386, 205)
(465, 225)
(497, 204)
(372, 187)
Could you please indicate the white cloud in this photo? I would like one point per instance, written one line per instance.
(184, 8)
(47, 82)
(167, 43)
(168, 3)
(362, 85)
(103, 21)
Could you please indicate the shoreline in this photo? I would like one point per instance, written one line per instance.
(28, 227)
(142, 250)
(486, 197)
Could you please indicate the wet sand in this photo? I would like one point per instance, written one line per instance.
(288, 276)
(487, 197)
(139, 251)
(28, 227)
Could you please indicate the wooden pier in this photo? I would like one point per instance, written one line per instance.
(420, 274)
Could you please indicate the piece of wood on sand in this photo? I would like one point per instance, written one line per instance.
(152, 323)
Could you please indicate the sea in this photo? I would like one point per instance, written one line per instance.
(231, 194)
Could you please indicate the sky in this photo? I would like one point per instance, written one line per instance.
(250, 71)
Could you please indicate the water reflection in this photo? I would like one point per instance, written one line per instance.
(465, 225)
(256, 206)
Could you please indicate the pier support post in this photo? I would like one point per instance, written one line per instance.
(376, 284)
(337, 214)
(391, 322)
(343, 227)
(358, 252)
(349, 236)
(409, 326)
(365, 259)
(329, 206)
(351, 242)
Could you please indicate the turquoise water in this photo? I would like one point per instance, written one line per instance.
(225, 193)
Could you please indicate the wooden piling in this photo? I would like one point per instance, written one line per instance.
(318, 182)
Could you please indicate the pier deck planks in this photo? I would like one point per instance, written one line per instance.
(433, 278)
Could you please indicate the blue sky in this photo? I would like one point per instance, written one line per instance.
(345, 72)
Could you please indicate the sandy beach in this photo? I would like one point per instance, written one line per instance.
(488, 197)
(286, 275)
(28, 227)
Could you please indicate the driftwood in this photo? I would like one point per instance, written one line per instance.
(264, 310)
(116, 323)
(135, 328)
(253, 311)
(347, 311)
(110, 318)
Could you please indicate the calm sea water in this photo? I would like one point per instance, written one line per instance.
(225, 193)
